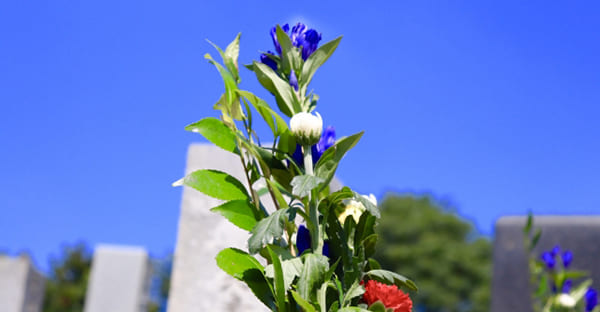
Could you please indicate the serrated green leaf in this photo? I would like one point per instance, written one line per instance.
(355, 290)
(238, 212)
(303, 184)
(291, 269)
(388, 277)
(317, 59)
(216, 132)
(329, 161)
(312, 275)
(268, 229)
(216, 184)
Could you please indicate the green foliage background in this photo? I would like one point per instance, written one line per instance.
(67, 281)
(438, 250)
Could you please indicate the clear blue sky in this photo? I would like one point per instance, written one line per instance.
(490, 106)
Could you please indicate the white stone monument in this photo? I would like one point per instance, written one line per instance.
(119, 280)
(21, 286)
(197, 283)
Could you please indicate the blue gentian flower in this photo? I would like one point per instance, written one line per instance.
(591, 299)
(303, 241)
(555, 251)
(327, 140)
(268, 61)
(293, 80)
(301, 37)
(548, 259)
(567, 258)
(567, 284)
(285, 28)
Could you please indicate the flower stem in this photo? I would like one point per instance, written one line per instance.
(313, 214)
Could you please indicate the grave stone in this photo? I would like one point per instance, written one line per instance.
(119, 280)
(197, 283)
(21, 286)
(510, 283)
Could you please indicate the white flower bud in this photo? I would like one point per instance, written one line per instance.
(355, 209)
(566, 300)
(306, 128)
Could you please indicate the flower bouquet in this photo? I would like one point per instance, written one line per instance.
(312, 251)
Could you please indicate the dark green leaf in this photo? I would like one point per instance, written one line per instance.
(291, 269)
(354, 291)
(216, 132)
(388, 277)
(377, 307)
(317, 59)
(280, 289)
(303, 184)
(312, 275)
(303, 303)
(235, 262)
(216, 184)
(352, 309)
(238, 212)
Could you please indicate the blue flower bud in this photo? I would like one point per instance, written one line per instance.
(548, 259)
(265, 59)
(310, 44)
(302, 239)
(297, 34)
(566, 288)
(555, 251)
(591, 299)
(567, 258)
(293, 80)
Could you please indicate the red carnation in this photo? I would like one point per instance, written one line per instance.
(389, 295)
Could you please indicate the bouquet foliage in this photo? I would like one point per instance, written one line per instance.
(316, 244)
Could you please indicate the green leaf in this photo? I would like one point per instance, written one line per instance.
(268, 229)
(312, 275)
(352, 309)
(535, 239)
(275, 122)
(290, 55)
(369, 244)
(372, 208)
(289, 104)
(230, 86)
(322, 295)
(291, 269)
(303, 303)
(528, 224)
(216, 132)
(278, 278)
(354, 291)
(328, 163)
(317, 59)
(230, 57)
(303, 184)
(377, 306)
(215, 183)
(238, 212)
(388, 277)
(244, 267)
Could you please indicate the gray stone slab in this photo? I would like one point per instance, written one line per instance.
(21, 286)
(118, 280)
(510, 284)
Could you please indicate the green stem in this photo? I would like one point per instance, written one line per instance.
(315, 230)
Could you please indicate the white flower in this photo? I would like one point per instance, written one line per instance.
(355, 209)
(306, 128)
(566, 300)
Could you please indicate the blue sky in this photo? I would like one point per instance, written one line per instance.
(492, 107)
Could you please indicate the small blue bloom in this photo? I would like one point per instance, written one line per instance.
(293, 80)
(302, 239)
(265, 59)
(591, 299)
(548, 258)
(567, 284)
(567, 258)
(555, 251)
(310, 44)
(327, 140)
(297, 35)
(285, 28)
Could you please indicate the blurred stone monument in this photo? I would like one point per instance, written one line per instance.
(21, 286)
(119, 280)
(510, 283)
(197, 283)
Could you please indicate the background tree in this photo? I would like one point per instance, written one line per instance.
(67, 282)
(438, 250)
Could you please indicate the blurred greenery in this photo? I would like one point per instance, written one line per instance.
(422, 240)
(67, 281)
(69, 273)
